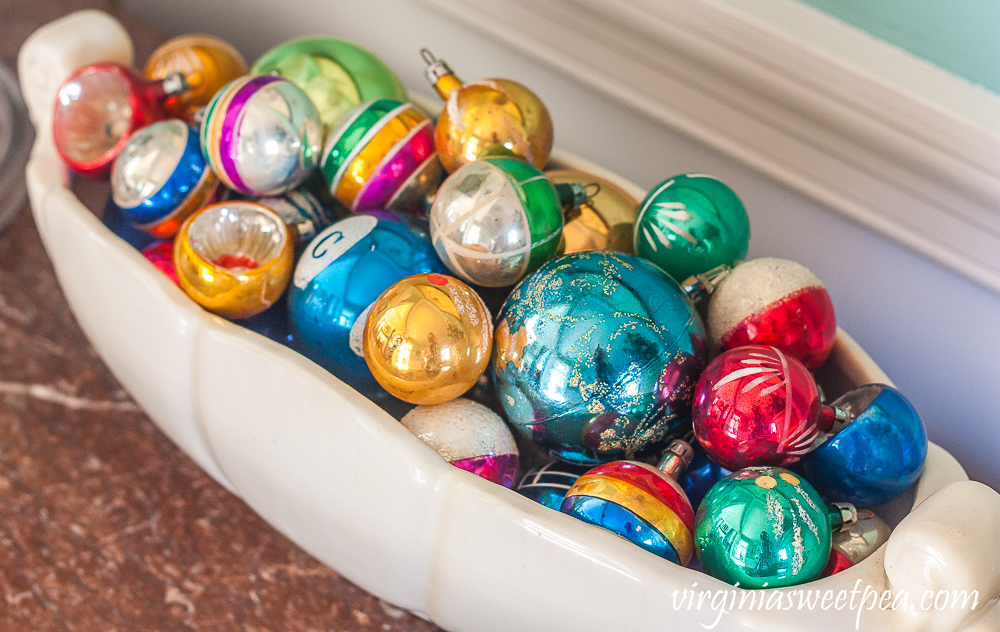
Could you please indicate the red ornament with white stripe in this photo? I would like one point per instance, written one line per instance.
(757, 405)
(773, 302)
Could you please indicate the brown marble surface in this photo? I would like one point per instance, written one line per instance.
(104, 524)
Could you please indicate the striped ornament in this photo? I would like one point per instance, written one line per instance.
(381, 155)
(639, 503)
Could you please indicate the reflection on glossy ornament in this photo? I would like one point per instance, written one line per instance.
(160, 177)
(261, 135)
(773, 302)
(99, 106)
(875, 457)
(161, 254)
(336, 75)
(469, 436)
(496, 220)
(207, 63)
(302, 213)
(492, 117)
(547, 484)
(428, 338)
(597, 355)
(691, 223)
(339, 276)
(234, 258)
(381, 155)
(605, 221)
(852, 546)
(764, 527)
(641, 503)
(757, 405)
(699, 477)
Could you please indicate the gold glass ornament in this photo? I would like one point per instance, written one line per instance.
(428, 338)
(491, 117)
(207, 63)
(605, 221)
(234, 258)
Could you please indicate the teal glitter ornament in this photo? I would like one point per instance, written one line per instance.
(690, 224)
(596, 356)
(764, 527)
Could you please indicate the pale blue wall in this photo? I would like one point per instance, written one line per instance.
(961, 36)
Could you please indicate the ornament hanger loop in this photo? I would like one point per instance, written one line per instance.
(596, 186)
(427, 56)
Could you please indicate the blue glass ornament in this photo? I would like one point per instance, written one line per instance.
(700, 475)
(340, 274)
(118, 223)
(875, 457)
(597, 355)
(547, 484)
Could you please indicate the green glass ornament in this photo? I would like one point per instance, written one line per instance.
(336, 75)
(690, 224)
(764, 527)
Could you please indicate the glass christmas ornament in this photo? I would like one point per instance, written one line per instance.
(690, 224)
(206, 62)
(336, 75)
(547, 484)
(492, 117)
(468, 435)
(769, 301)
(643, 504)
(261, 135)
(120, 225)
(303, 214)
(161, 254)
(381, 155)
(852, 546)
(604, 221)
(99, 106)
(700, 475)
(597, 355)
(160, 177)
(428, 338)
(338, 277)
(496, 220)
(875, 457)
(764, 527)
(233, 258)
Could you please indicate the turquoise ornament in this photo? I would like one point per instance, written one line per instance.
(764, 527)
(596, 356)
(690, 224)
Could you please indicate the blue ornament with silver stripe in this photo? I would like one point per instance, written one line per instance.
(340, 274)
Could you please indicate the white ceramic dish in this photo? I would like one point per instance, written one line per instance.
(350, 485)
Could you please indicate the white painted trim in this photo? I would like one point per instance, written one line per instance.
(917, 160)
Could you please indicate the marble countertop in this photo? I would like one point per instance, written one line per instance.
(104, 524)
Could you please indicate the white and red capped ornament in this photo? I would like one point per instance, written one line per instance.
(768, 301)
(468, 435)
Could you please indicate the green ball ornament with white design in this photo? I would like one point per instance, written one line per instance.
(496, 220)
(690, 224)
(764, 527)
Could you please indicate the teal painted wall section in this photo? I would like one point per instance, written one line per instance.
(961, 36)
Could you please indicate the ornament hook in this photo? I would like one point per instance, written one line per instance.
(597, 190)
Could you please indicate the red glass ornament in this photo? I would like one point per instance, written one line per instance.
(161, 254)
(837, 562)
(99, 106)
(757, 405)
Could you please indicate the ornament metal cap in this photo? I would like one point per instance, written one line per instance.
(700, 286)
(573, 194)
(436, 68)
(175, 83)
(676, 459)
(843, 516)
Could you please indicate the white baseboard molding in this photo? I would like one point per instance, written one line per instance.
(921, 170)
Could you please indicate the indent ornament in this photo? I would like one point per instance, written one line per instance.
(428, 338)
(764, 527)
(496, 220)
(338, 277)
(597, 356)
(381, 155)
(492, 117)
(234, 258)
(641, 503)
(160, 177)
(691, 223)
(206, 62)
(468, 435)
(261, 135)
